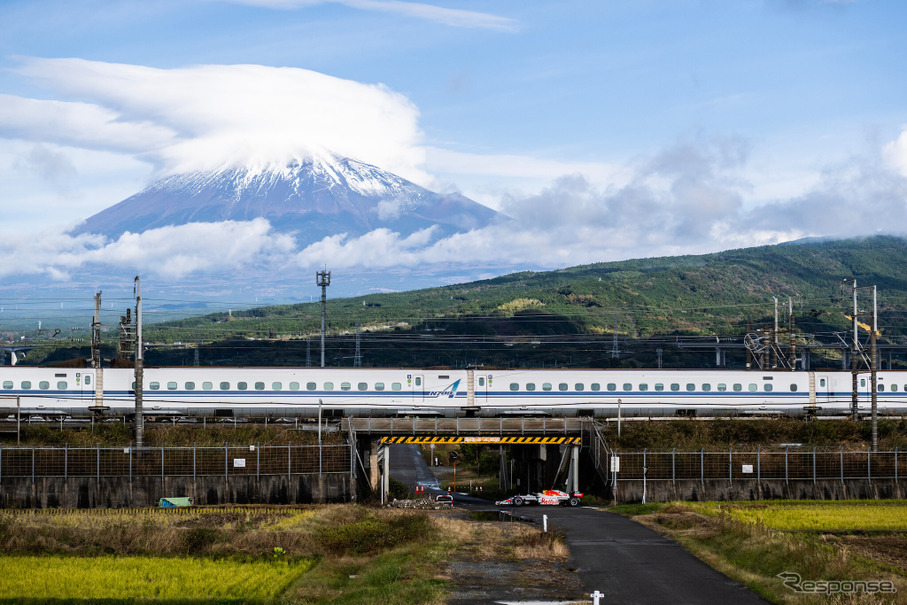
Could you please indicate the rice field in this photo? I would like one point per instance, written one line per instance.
(819, 516)
(185, 579)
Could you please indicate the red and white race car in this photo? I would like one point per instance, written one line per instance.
(551, 497)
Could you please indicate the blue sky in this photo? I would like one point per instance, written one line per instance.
(609, 129)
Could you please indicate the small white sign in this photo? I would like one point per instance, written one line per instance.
(615, 464)
(239, 463)
(748, 468)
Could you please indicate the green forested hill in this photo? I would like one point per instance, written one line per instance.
(724, 294)
(707, 294)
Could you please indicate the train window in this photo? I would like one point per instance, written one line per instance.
(628, 386)
(767, 388)
(862, 382)
(579, 386)
(481, 381)
(379, 386)
(643, 387)
(596, 386)
(880, 388)
(722, 387)
(26, 384)
(310, 386)
(894, 388)
(659, 386)
(190, 386)
(242, 386)
(396, 386)
(821, 382)
(418, 381)
(207, 386)
(562, 386)
(61, 384)
(171, 385)
(675, 387)
(87, 379)
(329, 386)
(154, 386)
(259, 386)
(738, 387)
(706, 386)
(7, 384)
(546, 386)
(294, 386)
(612, 386)
(691, 387)
(753, 387)
(345, 386)
(44, 385)
(225, 386)
(530, 386)
(362, 386)
(276, 386)
(793, 387)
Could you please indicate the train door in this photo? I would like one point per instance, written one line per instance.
(418, 387)
(823, 389)
(483, 384)
(85, 384)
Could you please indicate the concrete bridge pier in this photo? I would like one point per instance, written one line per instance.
(573, 469)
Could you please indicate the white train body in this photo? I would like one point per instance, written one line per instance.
(295, 392)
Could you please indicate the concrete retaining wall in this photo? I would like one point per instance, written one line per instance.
(120, 492)
(691, 490)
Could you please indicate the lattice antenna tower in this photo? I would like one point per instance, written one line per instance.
(323, 280)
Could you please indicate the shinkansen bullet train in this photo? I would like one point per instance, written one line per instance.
(306, 392)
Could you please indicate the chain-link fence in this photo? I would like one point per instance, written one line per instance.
(226, 461)
(813, 465)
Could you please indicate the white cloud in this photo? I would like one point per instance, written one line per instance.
(169, 252)
(895, 153)
(214, 116)
(429, 12)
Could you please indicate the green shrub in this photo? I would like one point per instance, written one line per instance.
(398, 489)
(372, 534)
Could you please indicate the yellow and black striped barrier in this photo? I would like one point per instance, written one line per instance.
(494, 439)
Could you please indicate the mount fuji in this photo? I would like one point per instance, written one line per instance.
(257, 236)
(311, 199)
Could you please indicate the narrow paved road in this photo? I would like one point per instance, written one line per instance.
(625, 561)
(629, 563)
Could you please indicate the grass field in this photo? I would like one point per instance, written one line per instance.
(831, 543)
(259, 555)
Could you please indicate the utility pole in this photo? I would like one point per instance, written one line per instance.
(96, 357)
(139, 366)
(792, 341)
(323, 280)
(872, 362)
(775, 336)
(873, 369)
(615, 352)
(855, 349)
(357, 359)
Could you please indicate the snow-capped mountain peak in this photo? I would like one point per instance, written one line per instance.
(312, 198)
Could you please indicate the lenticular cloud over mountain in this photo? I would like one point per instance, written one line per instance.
(211, 117)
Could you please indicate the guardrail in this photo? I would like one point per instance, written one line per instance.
(810, 465)
(227, 461)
